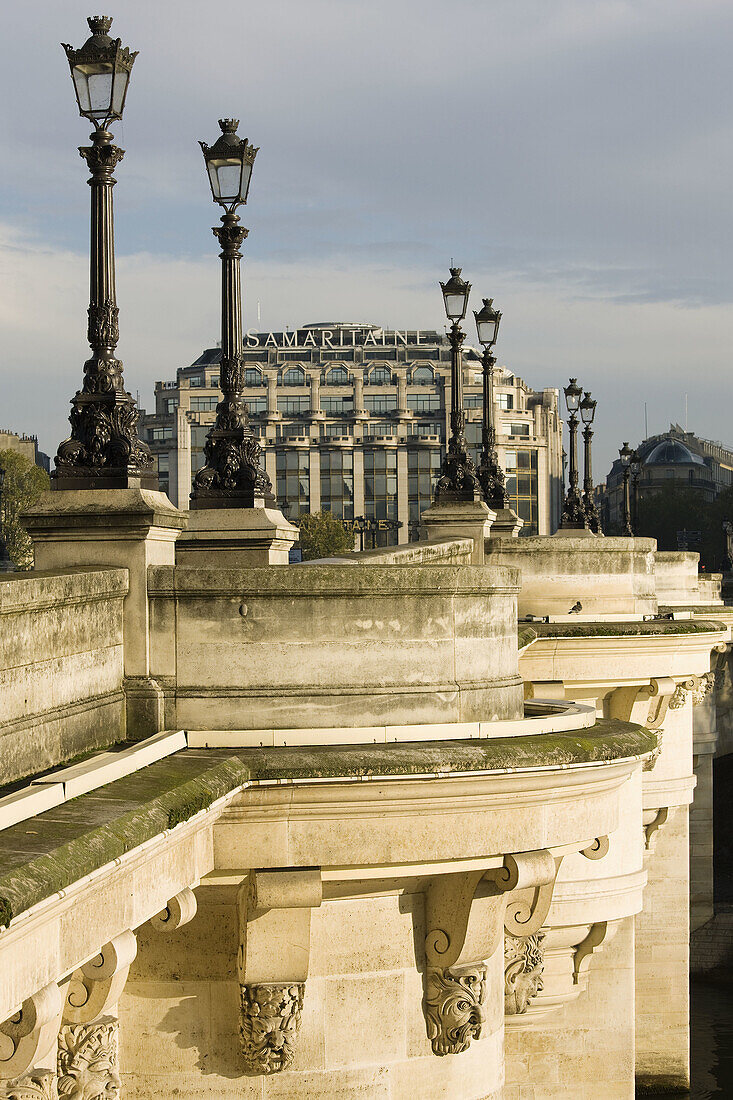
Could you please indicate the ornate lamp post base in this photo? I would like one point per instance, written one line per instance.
(104, 451)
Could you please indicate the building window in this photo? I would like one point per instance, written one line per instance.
(203, 404)
(426, 353)
(196, 380)
(337, 483)
(337, 376)
(347, 354)
(473, 400)
(424, 402)
(428, 429)
(293, 481)
(473, 439)
(337, 406)
(376, 428)
(380, 353)
(214, 381)
(380, 491)
(256, 405)
(423, 470)
(521, 484)
(253, 377)
(154, 434)
(293, 406)
(170, 404)
(380, 403)
(293, 376)
(422, 376)
(380, 376)
(506, 401)
(302, 354)
(255, 356)
(330, 430)
(519, 429)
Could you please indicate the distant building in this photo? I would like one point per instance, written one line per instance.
(353, 419)
(676, 456)
(26, 445)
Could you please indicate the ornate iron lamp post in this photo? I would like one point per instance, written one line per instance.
(7, 565)
(459, 481)
(625, 455)
(587, 413)
(232, 476)
(635, 468)
(573, 514)
(490, 474)
(103, 451)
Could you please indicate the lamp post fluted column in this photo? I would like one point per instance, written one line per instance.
(589, 505)
(625, 455)
(490, 474)
(635, 469)
(232, 476)
(458, 481)
(573, 512)
(587, 414)
(104, 450)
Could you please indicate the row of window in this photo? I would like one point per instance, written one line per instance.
(346, 355)
(421, 402)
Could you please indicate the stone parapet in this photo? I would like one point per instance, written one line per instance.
(590, 578)
(331, 645)
(61, 666)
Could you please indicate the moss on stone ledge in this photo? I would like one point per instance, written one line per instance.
(49, 852)
(615, 630)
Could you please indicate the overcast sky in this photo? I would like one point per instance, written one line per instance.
(574, 156)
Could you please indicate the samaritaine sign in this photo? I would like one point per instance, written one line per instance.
(337, 338)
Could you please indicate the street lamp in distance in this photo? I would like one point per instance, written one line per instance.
(458, 481)
(587, 414)
(104, 450)
(232, 476)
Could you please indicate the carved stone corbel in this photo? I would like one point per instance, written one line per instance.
(653, 820)
(27, 1038)
(523, 966)
(597, 849)
(179, 911)
(88, 1060)
(274, 953)
(95, 988)
(38, 1085)
(465, 916)
(583, 952)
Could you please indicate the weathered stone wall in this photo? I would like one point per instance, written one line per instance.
(363, 1029)
(61, 667)
(333, 646)
(662, 959)
(610, 577)
(584, 1050)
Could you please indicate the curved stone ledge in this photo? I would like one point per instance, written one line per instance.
(79, 837)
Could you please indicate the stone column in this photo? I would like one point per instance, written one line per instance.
(183, 460)
(359, 394)
(358, 481)
(401, 393)
(403, 509)
(271, 394)
(314, 468)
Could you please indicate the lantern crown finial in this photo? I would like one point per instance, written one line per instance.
(99, 24)
(228, 125)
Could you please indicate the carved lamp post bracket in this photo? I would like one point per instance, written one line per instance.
(466, 915)
(274, 953)
(27, 1038)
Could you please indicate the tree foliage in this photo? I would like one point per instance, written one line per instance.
(677, 508)
(323, 535)
(24, 483)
